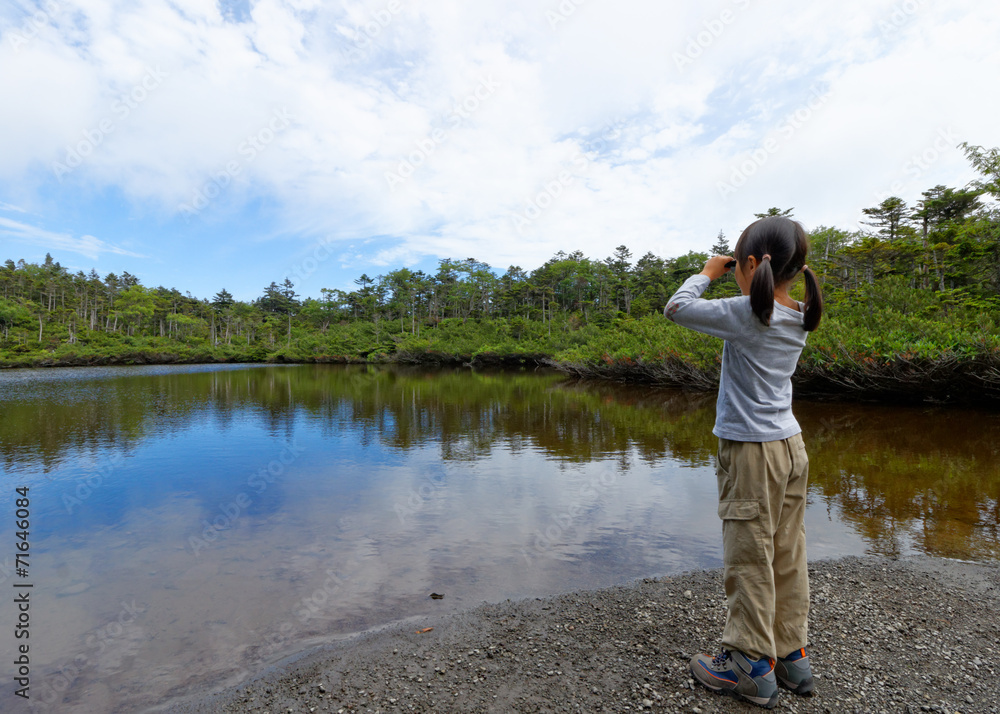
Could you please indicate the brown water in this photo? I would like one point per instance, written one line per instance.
(190, 525)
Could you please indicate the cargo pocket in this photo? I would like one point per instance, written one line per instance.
(742, 539)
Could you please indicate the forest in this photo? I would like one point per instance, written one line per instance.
(912, 300)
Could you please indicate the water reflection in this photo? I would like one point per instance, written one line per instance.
(924, 480)
(193, 523)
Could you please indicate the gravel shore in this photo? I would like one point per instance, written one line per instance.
(910, 635)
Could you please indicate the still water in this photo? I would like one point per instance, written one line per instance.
(190, 525)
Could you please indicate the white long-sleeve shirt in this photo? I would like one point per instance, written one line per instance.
(755, 387)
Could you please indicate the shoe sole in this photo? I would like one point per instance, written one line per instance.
(769, 703)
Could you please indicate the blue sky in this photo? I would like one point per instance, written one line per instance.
(202, 146)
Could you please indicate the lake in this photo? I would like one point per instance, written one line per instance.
(190, 525)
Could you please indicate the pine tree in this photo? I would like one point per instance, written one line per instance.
(721, 246)
(787, 213)
(222, 300)
(887, 217)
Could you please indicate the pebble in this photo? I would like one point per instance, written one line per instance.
(525, 660)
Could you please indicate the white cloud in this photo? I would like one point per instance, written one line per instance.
(86, 245)
(369, 81)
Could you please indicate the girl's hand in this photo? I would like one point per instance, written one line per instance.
(716, 266)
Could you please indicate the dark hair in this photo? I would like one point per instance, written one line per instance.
(780, 246)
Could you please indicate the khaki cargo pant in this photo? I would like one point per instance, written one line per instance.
(762, 504)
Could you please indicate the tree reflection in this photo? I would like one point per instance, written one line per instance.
(908, 477)
(905, 478)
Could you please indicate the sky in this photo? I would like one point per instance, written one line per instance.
(202, 145)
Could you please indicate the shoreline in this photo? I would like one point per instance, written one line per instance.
(911, 634)
(950, 383)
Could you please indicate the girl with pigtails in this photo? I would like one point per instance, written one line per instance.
(762, 465)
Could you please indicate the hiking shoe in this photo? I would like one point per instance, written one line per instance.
(733, 673)
(794, 674)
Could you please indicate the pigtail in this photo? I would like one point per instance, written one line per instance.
(779, 240)
(814, 301)
(762, 291)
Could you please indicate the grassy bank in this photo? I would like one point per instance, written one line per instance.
(891, 355)
(915, 360)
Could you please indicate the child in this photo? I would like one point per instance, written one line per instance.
(762, 463)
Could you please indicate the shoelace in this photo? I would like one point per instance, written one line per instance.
(720, 659)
